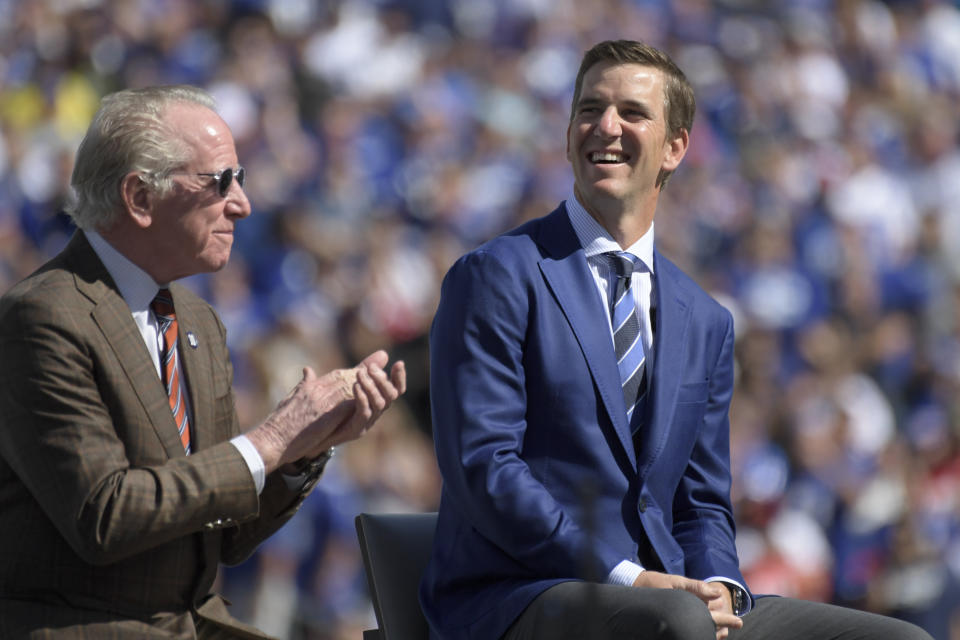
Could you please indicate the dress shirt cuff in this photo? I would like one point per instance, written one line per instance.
(625, 573)
(254, 462)
(747, 605)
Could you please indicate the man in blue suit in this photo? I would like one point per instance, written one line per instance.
(580, 385)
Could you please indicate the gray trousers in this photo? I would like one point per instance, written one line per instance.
(584, 611)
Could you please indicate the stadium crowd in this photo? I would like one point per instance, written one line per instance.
(820, 202)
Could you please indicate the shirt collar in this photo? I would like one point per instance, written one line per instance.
(136, 286)
(595, 239)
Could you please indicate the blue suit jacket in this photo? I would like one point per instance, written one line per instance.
(542, 482)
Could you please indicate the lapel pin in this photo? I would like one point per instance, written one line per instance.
(192, 339)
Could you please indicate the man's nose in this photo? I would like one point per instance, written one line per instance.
(237, 203)
(609, 124)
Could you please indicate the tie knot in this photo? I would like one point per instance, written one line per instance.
(163, 303)
(624, 263)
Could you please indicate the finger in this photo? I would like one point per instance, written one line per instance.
(719, 602)
(364, 411)
(398, 375)
(716, 593)
(384, 385)
(716, 589)
(308, 374)
(358, 422)
(376, 359)
(700, 589)
(373, 387)
(728, 620)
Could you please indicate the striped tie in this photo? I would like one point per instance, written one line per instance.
(162, 306)
(628, 343)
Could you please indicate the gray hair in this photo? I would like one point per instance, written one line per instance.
(128, 133)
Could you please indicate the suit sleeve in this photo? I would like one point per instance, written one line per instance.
(277, 502)
(480, 417)
(277, 505)
(703, 518)
(63, 440)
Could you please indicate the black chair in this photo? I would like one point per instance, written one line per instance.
(396, 547)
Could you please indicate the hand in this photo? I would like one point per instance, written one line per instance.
(321, 412)
(374, 393)
(721, 610)
(714, 594)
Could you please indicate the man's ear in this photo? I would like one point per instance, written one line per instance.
(138, 199)
(674, 150)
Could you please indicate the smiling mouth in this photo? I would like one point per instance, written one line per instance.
(607, 157)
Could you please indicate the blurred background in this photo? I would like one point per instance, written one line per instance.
(820, 202)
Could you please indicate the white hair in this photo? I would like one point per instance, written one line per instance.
(128, 133)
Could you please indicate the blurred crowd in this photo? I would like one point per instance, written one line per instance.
(820, 202)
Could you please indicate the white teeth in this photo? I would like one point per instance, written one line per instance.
(608, 156)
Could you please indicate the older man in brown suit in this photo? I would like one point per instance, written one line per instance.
(124, 477)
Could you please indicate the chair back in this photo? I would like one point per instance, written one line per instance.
(395, 548)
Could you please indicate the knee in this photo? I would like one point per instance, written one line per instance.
(907, 631)
(880, 627)
(683, 616)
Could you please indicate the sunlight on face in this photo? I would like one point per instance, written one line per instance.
(616, 141)
(193, 226)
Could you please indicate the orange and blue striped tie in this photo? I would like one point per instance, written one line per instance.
(162, 306)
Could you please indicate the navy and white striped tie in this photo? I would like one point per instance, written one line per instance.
(628, 342)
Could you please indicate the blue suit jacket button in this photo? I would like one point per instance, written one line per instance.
(642, 506)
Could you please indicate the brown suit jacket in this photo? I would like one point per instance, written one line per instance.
(108, 529)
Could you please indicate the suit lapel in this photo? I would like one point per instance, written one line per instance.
(195, 359)
(112, 315)
(670, 344)
(196, 362)
(566, 272)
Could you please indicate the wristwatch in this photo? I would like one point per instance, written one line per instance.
(737, 599)
(308, 471)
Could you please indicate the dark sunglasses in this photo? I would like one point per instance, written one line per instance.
(224, 179)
